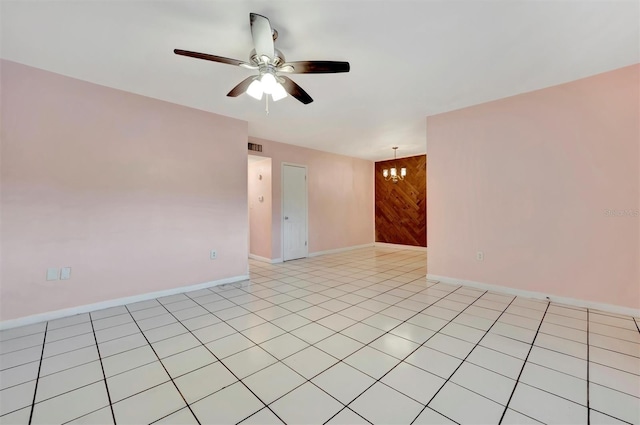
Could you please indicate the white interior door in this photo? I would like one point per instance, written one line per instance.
(294, 212)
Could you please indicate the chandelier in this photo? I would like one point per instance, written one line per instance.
(392, 174)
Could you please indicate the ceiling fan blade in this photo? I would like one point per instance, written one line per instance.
(316, 67)
(296, 91)
(208, 57)
(262, 35)
(242, 87)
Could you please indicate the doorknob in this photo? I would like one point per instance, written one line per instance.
(286, 218)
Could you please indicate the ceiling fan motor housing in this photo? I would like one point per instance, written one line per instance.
(275, 61)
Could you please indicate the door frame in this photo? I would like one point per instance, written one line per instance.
(306, 206)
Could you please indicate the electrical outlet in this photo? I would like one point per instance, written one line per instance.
(214, 254)
(65, 273)
(52, 273)
(480, 256)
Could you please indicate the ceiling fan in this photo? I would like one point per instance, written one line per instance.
(270, 64)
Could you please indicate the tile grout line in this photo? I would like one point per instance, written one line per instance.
(90, 361)
(401, 284)
(523, 366)
(35, 391)
(334, 332)
(386, 332)
(155, 421)
(464, 360)
(80, 323)
(346, 406)
(16, 366)
(309, 345)
(290, 312)
(319, 292)
(332, 313)
(309, 380)
(378, 350)
(412, 351)
(230, 371)
(303, 376)
(294, 312)
(526, 328)
(327, 288)
(318, 305)
(102, 368)
(22, 336)
(72, 390)
(230, 299)
(361, 321)
(165, 369)
(610, 415)
(266, 407)
(283, 283)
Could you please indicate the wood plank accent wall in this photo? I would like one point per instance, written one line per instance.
(401, 208)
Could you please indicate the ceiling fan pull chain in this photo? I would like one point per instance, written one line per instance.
(267, 104)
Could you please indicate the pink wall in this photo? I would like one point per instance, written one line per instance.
(341, 196)
(528, 180)
(260, 211)
(129, 191)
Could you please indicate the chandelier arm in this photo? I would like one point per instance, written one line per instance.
(397, 176)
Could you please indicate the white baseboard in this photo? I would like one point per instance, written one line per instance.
(338, 250)
(58, 314)
(265, 259)
(398, 246)
(610, 308)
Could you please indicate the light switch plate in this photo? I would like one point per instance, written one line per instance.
(52, 273)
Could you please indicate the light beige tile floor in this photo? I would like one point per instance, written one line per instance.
(355, 337)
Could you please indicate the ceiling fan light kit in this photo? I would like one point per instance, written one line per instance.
(255, 89)
(269, 62)
(392, 173)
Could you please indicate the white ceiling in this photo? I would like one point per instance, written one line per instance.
(409, 59)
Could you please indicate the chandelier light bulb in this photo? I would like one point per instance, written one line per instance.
(392, 173)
